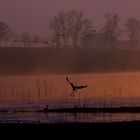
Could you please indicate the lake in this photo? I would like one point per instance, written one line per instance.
(32, 93)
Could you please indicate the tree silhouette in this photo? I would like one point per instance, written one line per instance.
(36, 40)
(133, 30)
(69, 27)
(25, 38)
(87, 30)
(55, 24)
(14, 38)
(4, 30)
(111, 29)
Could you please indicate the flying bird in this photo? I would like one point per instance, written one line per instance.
(74, 87)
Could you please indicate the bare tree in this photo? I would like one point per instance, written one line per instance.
(133, 30)
(68, 27)
(14, 38)
(4, 30)
(111, 29)
(6, 39)
(25, 38)
(64, 29)
(56, 24)
(36, 40)
(45, 42)
(87, 30)
(75, 25)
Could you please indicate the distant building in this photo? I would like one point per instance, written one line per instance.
(125, 44)
(97, 40)
(94, 40)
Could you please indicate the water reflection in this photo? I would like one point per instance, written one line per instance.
(32, 117)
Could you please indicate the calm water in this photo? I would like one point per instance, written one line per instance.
(32, 117)
(31, 93)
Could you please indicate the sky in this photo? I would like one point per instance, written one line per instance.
(32, 15)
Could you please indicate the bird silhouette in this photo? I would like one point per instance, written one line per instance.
(74, 87)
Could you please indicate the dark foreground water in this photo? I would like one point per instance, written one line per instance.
(27, 112)
(38, 117)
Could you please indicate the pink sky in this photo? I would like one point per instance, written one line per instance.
(32, 15)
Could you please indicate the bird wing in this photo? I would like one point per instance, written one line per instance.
(79, 87)
(75, 87)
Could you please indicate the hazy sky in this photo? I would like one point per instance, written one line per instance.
(32, 15)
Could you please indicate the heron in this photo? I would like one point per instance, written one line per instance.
(74, 87)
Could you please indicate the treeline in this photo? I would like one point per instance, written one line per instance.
(69, 27)
(34, 61)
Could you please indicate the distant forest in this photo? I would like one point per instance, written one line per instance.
(35, 61)
(67, 28)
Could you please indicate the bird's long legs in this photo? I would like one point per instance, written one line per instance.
(72, 94)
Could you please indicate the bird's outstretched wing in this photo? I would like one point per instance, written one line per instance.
(79, 87)
(74, 87)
